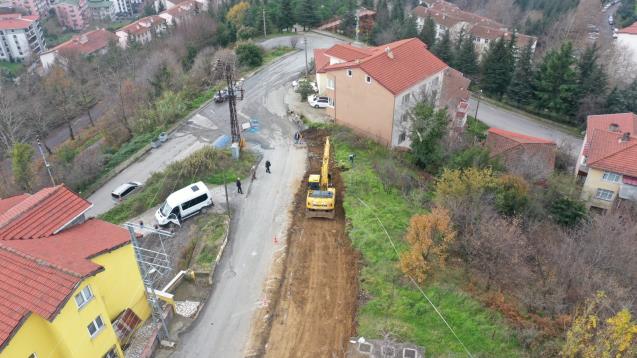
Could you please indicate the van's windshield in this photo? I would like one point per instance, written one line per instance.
(165, 209)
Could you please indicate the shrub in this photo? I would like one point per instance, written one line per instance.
(567, 211)
(249, 55)
(511, 195)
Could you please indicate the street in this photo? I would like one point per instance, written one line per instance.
(497, 117)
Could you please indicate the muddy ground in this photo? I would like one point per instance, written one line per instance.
(311, 311)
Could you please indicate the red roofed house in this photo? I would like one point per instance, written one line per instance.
(180, 12)
(449, 17)
(530, 157)
(627, 39)
(66, 281)
(86, 44)
(364, 22)
(373, 89)
(141, 31)
(608, 160)
(21, 37)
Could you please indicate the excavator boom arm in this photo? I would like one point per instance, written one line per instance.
(325, 167)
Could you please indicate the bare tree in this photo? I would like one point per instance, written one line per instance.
(294, 40)
(12, 121)
(61, 95)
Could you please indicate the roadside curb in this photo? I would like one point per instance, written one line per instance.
(219, 254)
(254, 72)
(535, 118)
(332, 35)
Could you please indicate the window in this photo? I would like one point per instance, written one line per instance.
(95, 327)
(406, 98)
(84, 296)
(604, 194)
(611, 177)
(368, 79)
(330, 83)
(349, 73)
(330, 102)
(112, 353)
(195, 201)
(405, 117)
(402, 137)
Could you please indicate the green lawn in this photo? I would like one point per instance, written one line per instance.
(13, 68)
(393, 305)
(275, 53)
(211, 230)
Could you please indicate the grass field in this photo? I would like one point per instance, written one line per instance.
(392, 305)
(12, 68)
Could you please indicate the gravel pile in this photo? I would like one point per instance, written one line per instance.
(140, 340)
(186, 308)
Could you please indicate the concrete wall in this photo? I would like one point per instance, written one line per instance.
(629, 42)
(367, 108)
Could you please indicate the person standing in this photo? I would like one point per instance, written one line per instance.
(239, 186)
(267, 166)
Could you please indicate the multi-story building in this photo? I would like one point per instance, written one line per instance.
(72, 14)
(123, 7)
(373, 89)
(86, 44)
(607, 162)
(71, 286)
(141, 31)
(21, 37)
(449, 17)
(101, 10)
(627, 40)
(35, 7)
(179, 13)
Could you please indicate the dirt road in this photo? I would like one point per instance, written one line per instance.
(314, 313)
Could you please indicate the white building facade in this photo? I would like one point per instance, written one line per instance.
(21, 38)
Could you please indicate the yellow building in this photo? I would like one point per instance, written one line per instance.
(608, 160)
(70, 287)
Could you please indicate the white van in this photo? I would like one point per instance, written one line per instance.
(183, 204)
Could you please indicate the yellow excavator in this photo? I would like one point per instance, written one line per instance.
(321, 194)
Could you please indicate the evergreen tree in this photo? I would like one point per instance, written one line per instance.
(521, 89)
(382, 14)
(466, 58)
(457, 45)
(557, 82)
(428, 32)
(409, 28)
(368, 4)
(348, 22)
(496, 68)
(592, 78)
(398, 11)
(622, 100)
(286, 15)
(307, 14)
(443, 48)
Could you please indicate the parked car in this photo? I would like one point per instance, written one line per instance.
(610, 20)
(295, 84)
(124, 190)
(184, 203)
(318, 102)
(221, 96)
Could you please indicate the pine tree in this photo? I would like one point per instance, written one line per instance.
(409, 28)
(521, 89)
(457, 45)
(348, 23)
(496, 68)
(428, 32)
(592, 78)
(307, 14)
(443, 48)
(286, 15)
(382, 14)
(467, 58)
(368, 4)
(398, 11)
(557, 82)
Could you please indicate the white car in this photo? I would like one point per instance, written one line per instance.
(318, 102)
(123, 190)
(295, 84)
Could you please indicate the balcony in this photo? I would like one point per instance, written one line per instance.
(628, 192)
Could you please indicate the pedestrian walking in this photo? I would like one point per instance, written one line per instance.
(239, 186)
(267, 166)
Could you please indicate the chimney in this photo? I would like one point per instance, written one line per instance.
(83, 39)
(625, 137)
(389, 53)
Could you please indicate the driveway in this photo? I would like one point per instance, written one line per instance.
(497, 117)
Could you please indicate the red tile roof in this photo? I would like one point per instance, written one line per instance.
(39, 275)
(626, 122)
(348, 52)
(143, 25)
(320, 59)
(8, 203)
(87, 43)
(16, 21)
(397, 66)
(631, 30)
(607, 151)
(42, 214)
(519, 138)
(514, 148)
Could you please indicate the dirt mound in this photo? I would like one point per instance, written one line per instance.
(314, 313)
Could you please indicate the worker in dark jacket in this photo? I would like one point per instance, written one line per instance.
(267, 166)
(239, 186)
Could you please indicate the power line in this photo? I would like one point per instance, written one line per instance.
(414, 281)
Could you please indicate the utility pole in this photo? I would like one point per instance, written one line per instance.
(264, 27)
(46, 164)
(225, 187)
(305, 45)
(478, 105)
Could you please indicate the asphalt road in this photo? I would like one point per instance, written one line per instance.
(223, 327)
(501, 118)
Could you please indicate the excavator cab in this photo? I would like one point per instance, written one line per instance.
(321, 195)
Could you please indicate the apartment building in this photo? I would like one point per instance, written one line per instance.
(21, 37)
(179, 13)
(141, 31)
(449, 17)
(86, 44)
(123, 7)
(373, 89)
(71, 286)
(72, 14)
(35, 7)
(101, 10)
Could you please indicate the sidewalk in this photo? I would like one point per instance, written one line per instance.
(293, 102)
